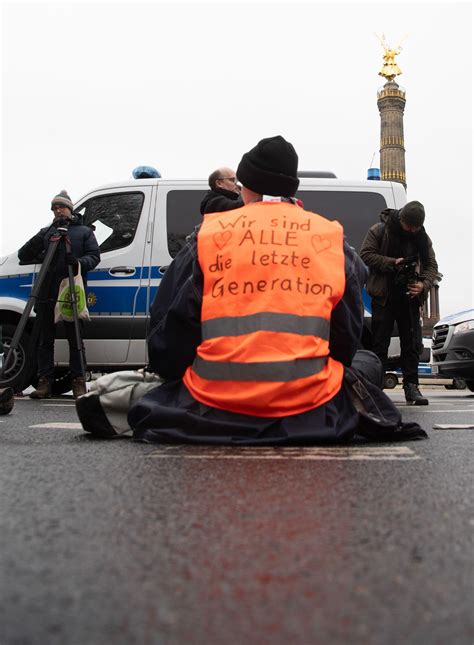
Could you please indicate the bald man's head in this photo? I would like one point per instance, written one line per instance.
(225, 179)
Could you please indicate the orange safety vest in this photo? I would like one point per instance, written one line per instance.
(273, 273)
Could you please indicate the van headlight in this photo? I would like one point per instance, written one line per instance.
(463, 327)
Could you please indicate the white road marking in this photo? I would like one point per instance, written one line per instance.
(438, 404)
(355, 453)
(59, 405)
(403, 403)
(43, 401)
(59, 425)
(407, 407)
(453, 426)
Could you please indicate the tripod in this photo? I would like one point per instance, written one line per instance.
(60, 237)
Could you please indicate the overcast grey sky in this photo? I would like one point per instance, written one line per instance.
(89, 91)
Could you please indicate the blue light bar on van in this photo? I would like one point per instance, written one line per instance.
(373, 173)
(145, 172)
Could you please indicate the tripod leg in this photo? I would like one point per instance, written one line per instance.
(408, 328)
(77, 328)
(20, 328)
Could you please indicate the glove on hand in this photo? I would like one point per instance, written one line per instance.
(33, 251)
(72, 262)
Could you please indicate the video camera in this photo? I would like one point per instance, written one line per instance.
(407, 273)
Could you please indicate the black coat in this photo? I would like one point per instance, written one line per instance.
(84, 247)
(218, 200)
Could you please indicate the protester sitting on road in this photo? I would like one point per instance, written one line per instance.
(255, 328)
(224, 193)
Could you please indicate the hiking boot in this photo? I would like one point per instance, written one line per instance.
(6, 400)
(43, 391)
(78, 387)
(413, 395)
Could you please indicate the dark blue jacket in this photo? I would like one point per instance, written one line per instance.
(84, 247)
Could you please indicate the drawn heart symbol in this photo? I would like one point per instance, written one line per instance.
(319, 243)
(221, 239)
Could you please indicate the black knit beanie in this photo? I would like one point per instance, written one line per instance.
(270, 168)
(413, 214)
(62, 199)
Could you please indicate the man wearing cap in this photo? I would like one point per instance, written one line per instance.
(224, 193)
(84, 252)
(398, 236)
(255, 327)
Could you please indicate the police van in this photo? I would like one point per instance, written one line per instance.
(140, 225)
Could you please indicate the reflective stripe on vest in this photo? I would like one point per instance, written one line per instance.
(273, 273)
(281, 371)
(265, 321)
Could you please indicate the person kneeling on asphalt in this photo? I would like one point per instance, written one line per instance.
(84, 252)
(255, 328)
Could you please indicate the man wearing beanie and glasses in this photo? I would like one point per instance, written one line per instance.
(84, 251)
(396, 295)
(256, 324)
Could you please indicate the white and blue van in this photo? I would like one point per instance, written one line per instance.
(140, 225)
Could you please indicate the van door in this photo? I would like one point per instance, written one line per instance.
(116, 289)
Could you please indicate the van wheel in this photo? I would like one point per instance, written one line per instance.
(390, 381)
(22, 366)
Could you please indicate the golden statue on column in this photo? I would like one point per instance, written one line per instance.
(390, 68)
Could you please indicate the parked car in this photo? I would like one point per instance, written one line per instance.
(452, 350)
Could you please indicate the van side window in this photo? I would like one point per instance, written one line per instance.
(114, 218)
(357, 211)
(182, 216)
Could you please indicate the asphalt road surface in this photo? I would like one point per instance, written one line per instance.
(114, 542)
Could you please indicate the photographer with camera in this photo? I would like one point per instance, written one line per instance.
(402, 268)
(84, 252)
